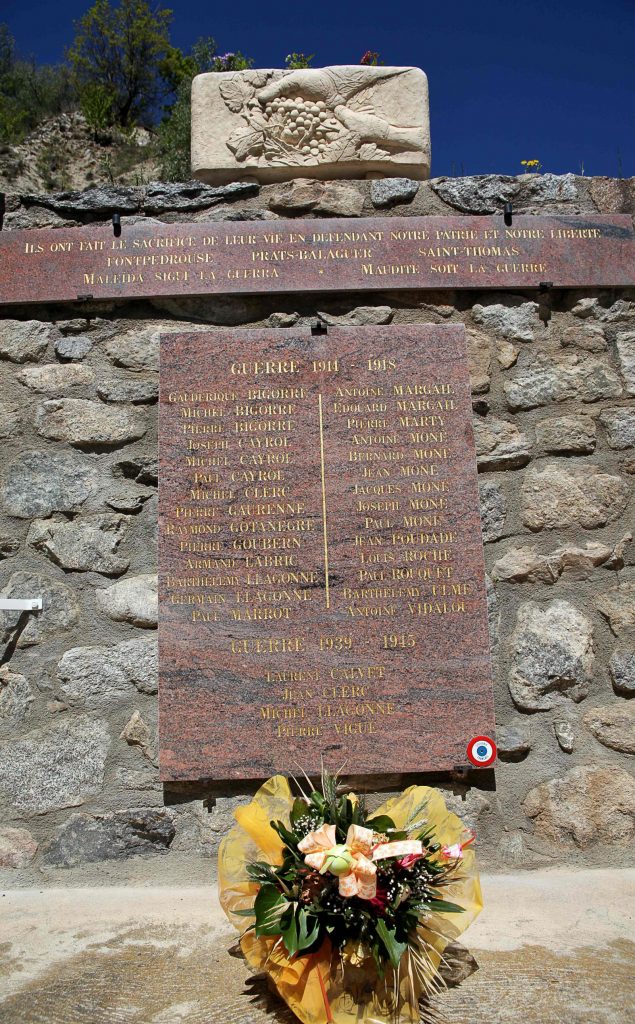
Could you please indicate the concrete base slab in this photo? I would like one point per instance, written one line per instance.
(552, 947)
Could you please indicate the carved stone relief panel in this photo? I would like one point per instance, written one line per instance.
(338, 122)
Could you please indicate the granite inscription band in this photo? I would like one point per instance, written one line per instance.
(321, 566)
(253, 257)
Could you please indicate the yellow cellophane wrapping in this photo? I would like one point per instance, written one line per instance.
(355, 993)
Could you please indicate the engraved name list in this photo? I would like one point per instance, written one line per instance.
(322, 582)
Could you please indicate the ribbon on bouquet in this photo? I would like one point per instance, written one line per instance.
(353, 862)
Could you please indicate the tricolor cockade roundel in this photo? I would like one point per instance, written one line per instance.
(481, 751)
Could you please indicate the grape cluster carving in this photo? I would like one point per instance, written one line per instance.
(302, 125)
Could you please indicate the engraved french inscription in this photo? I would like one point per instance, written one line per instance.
(364, 254)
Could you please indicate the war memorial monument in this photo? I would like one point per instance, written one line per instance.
(314, 461)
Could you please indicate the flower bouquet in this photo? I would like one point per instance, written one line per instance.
(348, 912)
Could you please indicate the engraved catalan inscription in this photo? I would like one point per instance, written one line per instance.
(321, 567)
(368, 254)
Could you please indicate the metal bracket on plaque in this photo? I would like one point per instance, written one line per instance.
(23, 604)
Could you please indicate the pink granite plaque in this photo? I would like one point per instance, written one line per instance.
(322, 588)
(365, 254)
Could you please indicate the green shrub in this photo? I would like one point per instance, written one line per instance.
(174, 139)
(295, 61)
(29, 93)
(52, 166)
(96, 104)
(175, 130)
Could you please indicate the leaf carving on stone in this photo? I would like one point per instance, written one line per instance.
(246, 142)
(256, 119)
(278, 153)
(236, 92)
(347, 83)
(344, 147)
(258, 78)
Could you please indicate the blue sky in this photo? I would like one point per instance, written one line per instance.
(547, 79)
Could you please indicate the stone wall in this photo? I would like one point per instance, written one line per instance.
(553, 379)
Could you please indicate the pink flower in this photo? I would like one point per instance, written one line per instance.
(456, 852)
(409, 860)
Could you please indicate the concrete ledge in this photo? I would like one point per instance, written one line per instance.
(162, 955)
